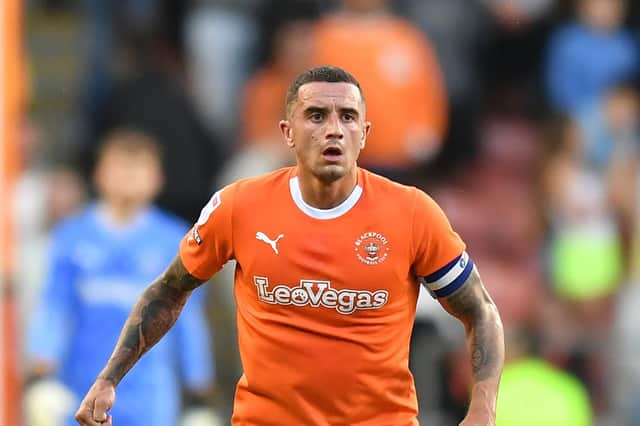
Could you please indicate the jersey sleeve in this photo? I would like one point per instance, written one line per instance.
(440, 261)
(209, 244)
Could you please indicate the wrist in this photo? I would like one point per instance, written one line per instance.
(106, 381)
(483, 398)
(481, 411)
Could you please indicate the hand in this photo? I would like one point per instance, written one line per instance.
(94, 407)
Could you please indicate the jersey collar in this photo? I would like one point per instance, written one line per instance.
(323, 214)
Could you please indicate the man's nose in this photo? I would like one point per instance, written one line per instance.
(334, 127)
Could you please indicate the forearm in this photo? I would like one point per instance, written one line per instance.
(153, 315)
(485, 340)
(473, 306)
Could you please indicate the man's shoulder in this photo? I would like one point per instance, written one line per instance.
(379, 185)
(395, 197)
(248, 186)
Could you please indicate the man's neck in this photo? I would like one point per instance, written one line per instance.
(120, 214)
(327, 195)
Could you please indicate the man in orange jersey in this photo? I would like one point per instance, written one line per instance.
(330, 258)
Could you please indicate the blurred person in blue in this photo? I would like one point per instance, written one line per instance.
(151, 93)
(588, 56)
(586, 254)
(611, 126)
(100, 261)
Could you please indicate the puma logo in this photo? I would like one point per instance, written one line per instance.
(273, 243)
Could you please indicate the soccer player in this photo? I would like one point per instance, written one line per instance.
(329, 262)
(101, 259)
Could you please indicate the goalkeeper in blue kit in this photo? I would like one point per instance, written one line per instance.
(101, 259)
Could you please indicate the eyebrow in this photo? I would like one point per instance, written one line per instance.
(313, 109)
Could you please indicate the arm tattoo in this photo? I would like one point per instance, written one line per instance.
(153, 315)
(485, 338)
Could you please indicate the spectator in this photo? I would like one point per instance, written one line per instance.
(400, 73)
(114, 28)
(220, 36)
(588, 56)
(290, 55)
(616, 138)
(100, 260)
(585, 261)
(512, 59)
(585, 249)
(625, 185)
(155, 100)
(458, 30)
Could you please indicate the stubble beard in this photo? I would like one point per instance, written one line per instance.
(331, 173)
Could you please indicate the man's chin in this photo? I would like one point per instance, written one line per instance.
(331, 172)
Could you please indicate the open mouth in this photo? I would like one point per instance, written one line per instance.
(332, 153)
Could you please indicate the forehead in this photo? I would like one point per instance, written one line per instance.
(320, 93)
(119, 155)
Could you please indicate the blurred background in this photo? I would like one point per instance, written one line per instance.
(520, 117)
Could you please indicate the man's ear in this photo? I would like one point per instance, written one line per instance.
(287, 132)
(365, 133)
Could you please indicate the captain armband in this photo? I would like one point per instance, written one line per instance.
(449, 278)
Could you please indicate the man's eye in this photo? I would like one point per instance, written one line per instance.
(348, 117)
(316, 116)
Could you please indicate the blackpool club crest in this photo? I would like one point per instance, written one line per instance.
(372, 248)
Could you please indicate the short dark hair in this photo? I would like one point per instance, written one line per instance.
(130, 140)
(327, 74)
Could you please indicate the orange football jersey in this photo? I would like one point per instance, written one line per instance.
(326, 298)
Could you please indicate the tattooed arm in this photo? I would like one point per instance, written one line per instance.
(153, 315)
(473, 306)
